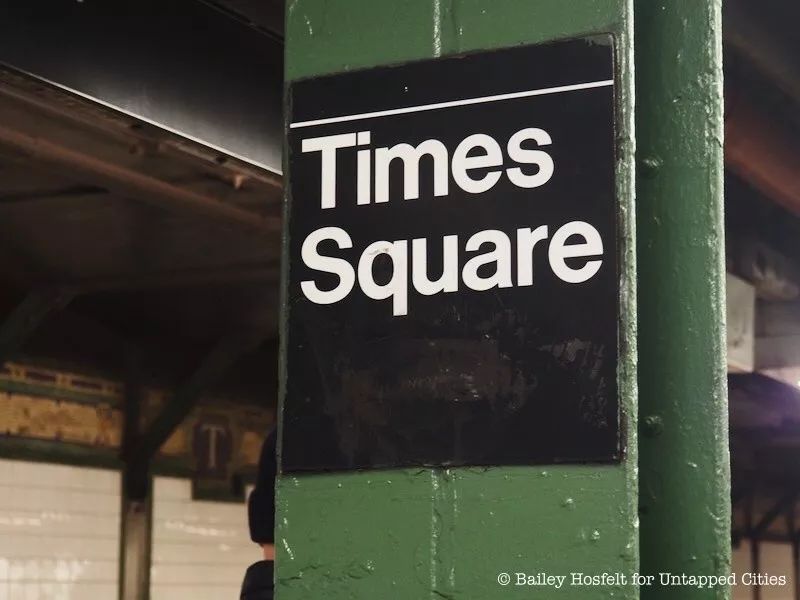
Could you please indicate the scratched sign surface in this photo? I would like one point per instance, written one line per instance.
(453, 263)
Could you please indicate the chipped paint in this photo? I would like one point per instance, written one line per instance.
(685, 478)
(437, 27)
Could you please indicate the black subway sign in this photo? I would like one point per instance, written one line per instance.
(453, 280)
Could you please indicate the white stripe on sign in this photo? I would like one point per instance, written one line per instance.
(453, 103)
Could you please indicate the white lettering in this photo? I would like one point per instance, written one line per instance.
(491, 268)
(328, 145)
(364, 169)
(397, 287)
(592, 245)
(448, 282)
(501, 256)
(492, 156)
(526, 241)
(534, 157)
(327, 264)
(411, 157)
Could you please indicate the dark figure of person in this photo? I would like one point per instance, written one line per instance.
(258, 581)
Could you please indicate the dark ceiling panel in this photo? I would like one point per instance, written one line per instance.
(181, 64)
(267, 15)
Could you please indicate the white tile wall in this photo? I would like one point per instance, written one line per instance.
(59, 537)
(200, 549)
(59, 532)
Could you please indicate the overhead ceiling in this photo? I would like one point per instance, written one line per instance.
(267, 15)
(165, 242)
(183, 65)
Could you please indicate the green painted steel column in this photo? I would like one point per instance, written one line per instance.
(448, 533)
(684, 462)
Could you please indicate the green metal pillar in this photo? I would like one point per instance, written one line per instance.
(684, 457)
(449, 533)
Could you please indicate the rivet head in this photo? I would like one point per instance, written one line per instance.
(652, 425)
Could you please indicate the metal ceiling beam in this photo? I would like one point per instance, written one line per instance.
(738, 535)
(28, 315)
(764, 154)
(744, 31)
(739, 494)
(13, 271)
(17, 87)
(229, 350)
(128, 182)
(773, 513)
(759, 150)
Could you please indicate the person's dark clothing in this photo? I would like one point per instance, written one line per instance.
(258, 581)
(261, 504)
